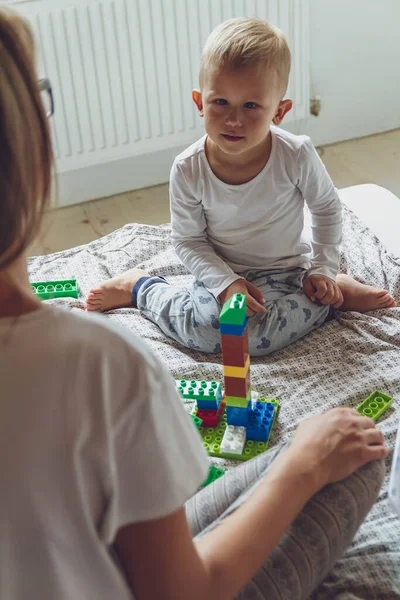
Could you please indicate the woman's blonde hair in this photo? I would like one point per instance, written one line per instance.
(243, 42)
(25, 148)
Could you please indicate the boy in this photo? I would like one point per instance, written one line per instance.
(237, 207)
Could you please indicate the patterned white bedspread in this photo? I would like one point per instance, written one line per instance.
(340, 364)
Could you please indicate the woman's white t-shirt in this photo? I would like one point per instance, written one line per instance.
(92, 437)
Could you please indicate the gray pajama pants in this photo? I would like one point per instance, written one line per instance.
(315, 540)
(191, 317)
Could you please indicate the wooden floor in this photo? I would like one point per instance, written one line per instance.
(374, 159)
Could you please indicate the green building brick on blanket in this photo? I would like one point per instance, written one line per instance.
(213, 474)
(375, 405)
(197, 421)
(64, 288)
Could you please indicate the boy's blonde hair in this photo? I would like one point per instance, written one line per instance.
(243, 42)
(25, 149)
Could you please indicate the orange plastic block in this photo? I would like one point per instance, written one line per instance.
(235, 349)
(236, 386)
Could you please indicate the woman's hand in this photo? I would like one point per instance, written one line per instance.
(333, 445)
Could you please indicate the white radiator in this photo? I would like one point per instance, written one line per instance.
(122, 73)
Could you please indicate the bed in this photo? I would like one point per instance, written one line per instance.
(339, 364)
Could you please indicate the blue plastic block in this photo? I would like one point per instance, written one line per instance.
(208, 404)
(227, 329)
(260, 421)
(236, 415)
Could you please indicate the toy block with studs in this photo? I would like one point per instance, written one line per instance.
(47, 290)
(375, 405)
(260, 422)
(234, 311)
(213, 474)
(234, 440)
(197, 421)
(193, 389)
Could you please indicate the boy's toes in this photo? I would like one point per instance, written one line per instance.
(386, 301)
(94, 300)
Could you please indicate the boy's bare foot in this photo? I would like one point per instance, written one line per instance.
(114, 293)
(360, 297)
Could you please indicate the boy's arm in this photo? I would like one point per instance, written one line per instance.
(325, 206)
(189, 237)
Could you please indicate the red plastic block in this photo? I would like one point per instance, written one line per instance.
(236, 386)
(211, 418)
(234, 349)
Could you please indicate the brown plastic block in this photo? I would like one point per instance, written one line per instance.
(236, 386)
(235, 349)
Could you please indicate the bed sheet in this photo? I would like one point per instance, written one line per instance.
(339, 364)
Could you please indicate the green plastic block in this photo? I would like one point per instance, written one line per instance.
(234, 310)
(375, 405)
(212, 438)
(193, 389)
(63, 288)
(213, 474)
(238, 401)
(197, 421)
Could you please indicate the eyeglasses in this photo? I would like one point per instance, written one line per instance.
(45, 86)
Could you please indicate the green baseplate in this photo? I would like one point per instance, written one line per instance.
(212, 437)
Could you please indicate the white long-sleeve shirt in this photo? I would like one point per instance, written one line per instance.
(220, 231)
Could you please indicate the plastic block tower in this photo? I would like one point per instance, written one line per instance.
(236, 361)
(232, 425)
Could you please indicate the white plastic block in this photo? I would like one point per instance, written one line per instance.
(234, 440)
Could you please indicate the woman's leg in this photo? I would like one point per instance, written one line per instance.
(315, 540)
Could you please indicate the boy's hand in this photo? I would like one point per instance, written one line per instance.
(254, 297)
(322, 288)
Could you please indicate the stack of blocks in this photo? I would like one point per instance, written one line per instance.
(232, 426)
(236, 361)
(208, 397)
(245, 420)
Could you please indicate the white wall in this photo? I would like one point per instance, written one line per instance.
(355, 68)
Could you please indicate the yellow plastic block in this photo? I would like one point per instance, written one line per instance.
(237, 371)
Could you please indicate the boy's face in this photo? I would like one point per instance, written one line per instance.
(239, 107)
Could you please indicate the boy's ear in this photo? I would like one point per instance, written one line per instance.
(283, 108)
(197, 99)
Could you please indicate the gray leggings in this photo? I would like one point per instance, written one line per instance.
(312, 544)
(191, 317)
